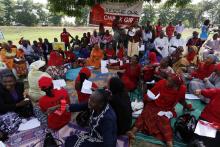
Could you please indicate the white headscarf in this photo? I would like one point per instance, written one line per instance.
(37, 65)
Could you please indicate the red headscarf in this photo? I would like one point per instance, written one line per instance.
(56, 59)
(45, 82)
(217, 67)
(86, 71)
(152, 57)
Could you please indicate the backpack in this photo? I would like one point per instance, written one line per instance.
(184, 127)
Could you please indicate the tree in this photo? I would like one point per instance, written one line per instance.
(166, 14)
(41, 12)
(73, 7)
(149, 14)
(1, 12)
(79, 21)
(24, 13)
(55, 19)
(8, 11)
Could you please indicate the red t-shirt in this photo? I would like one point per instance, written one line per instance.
(120, 53)
(211, 112)
(55, 121)
(169, 97)
(82, 97)
(158, 30)
(65, 37)
(170, 30)
(70, 56)
(203, 71)
(110, 53)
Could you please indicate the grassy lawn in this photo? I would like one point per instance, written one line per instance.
(33, 33)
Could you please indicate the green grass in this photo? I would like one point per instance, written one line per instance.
(33, 33)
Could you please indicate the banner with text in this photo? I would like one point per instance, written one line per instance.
(106, 12)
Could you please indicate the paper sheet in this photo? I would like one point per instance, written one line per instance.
(87, 87)
(152, 82)
(205, 130)
(104, 70)
(59, 83)
(151, 95)
(33, 123)
(191, 97)
(121, 62)
(113, 61)
(142, 48)
(104, 63)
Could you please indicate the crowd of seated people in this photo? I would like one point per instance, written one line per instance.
(172, 62)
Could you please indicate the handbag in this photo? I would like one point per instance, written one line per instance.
(26, 111)
(184, 127)
(82, 119)
(49, 141)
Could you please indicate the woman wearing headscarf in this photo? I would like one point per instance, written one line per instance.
(84, 74)
(53, 97)
(190, 59)
(102, 123)
(155, 117)
(211, 116)
(205, 69)
(131, 75)
(148, 70)
(56, 68)
(120, 102)
(37, 70)
(213, 81)
(95, 57)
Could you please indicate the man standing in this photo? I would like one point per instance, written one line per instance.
(117, 31)
(176, 42)
(180, 27)
(135, 36)
(170, 30)
(161, 44)
(64, 36)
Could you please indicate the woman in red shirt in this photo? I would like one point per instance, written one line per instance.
(131, 75)
(110, 52)
(211, 114)
(84, 74)
(54, 97)
(155, 117)
(204, 70)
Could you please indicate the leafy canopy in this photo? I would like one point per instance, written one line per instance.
(73, 7)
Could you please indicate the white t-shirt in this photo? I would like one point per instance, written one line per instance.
(179, 28)
(176, 42)
(27, 50)
(147, 36)
(164, 43)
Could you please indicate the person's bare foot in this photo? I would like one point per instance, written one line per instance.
(169, 144)
(131, 135)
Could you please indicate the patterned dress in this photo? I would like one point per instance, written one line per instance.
(102, 131)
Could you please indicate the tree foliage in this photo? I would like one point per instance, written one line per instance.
(73, 7)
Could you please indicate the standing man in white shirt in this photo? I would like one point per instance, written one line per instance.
(180, 27)
(176, 42)
(161, 44)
